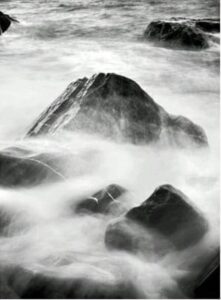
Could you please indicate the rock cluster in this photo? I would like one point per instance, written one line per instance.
(116, 107)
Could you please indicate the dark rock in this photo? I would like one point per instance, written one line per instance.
(166, 212)
(176, 34)
(25, 168)
(112, 106)
(5, 22)
(122, 235)
(208, 25)
(101, 201)
(179, 128)
(29, 285)
(208, 283)
(87, 205)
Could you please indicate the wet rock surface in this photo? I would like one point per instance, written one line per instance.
(208, 25)
(167, 212)
(113, 106)
(182, 33)
(102, 201)
(208, 283)
(23, 168)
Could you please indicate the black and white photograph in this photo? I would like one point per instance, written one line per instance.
(109, 149)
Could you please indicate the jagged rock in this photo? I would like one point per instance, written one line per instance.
(34, 285)
(176, 34)
(114, 106)
(166, 212)
(101, 201)
(5, 22)
(18, 167)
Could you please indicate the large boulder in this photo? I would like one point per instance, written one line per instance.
(114, 106)
(166, 213)
(101, 202)
(176, 34)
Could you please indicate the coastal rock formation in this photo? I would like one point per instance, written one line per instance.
(102, 201)
(115, 106)
(167, 212)
(5, 22)
(182, 33)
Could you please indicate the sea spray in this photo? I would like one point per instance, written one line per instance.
(45, 234)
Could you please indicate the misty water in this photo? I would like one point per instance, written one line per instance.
(57, 42)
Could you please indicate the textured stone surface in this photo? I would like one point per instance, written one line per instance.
(101, 202)
(176, 34)
(114, 106)
(167, 212)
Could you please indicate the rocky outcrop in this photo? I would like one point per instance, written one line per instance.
(102, 201)
(114, 106)
(168, 213)
(182, 33)
(17, 282)
(5, 22)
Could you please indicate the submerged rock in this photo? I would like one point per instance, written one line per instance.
(176, 34)
(18, 167)
(167, 212)
(26, 284)
(114, 106)
(5, 220)
(101, 202)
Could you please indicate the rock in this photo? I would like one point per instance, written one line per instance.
(101, 202)
(5, 220)
(176, 34)
(208, 283)
(178, 128)
(18, 167)
(208, 25)
(116, 107)
(5, 22)
(122, 235)
(35, 285)
(167, 212)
